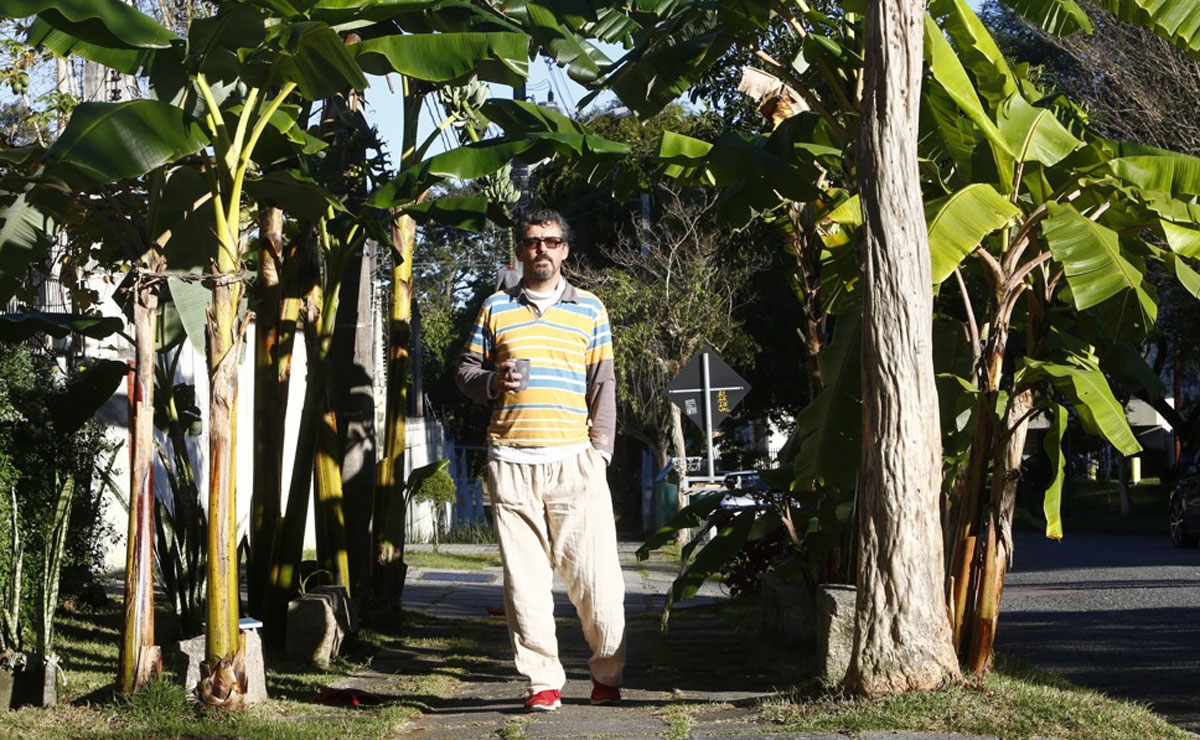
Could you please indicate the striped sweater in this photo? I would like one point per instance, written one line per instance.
(571, 396)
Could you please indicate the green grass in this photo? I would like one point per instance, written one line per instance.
(91, 710)
(1015, 703)
(470, 534)
(451, 561)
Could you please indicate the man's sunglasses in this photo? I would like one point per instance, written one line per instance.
(552, 242)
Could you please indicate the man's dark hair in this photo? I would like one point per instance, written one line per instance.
(539, 216)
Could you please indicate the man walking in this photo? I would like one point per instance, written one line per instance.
(549, 443)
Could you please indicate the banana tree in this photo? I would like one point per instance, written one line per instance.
(234, 117)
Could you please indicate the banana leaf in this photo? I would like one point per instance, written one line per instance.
(25, 235)
(1084, 385)
(1058, 17)
(1052, 503)
(1177, 21)
(85, 394)
(959, 222)
(107, 23)
(112, 141)
(448, 57)
(17, 327)
(1091, 256)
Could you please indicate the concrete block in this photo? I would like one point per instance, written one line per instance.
(314, 631)
(835, 629)
(343, 607)
(190, 653)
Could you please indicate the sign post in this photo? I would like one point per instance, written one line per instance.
(707, 390)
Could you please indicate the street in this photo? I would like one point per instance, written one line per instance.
(1116, 613)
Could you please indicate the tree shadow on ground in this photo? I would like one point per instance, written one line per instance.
(709, 653)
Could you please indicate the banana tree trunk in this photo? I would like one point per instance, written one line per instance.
(997, 552)
(270, 401)
(223, 340)
(327, 452)
(134, 665)
(969, 533)
(389, 490)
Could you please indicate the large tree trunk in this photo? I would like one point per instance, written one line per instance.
(902, 635)
(136, 665)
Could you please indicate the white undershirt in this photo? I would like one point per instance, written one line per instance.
(545, 299)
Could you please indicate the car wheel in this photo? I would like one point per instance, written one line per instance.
(1180, 536)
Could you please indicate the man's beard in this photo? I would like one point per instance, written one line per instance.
(543, 272)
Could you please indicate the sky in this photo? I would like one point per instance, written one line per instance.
(544, 82)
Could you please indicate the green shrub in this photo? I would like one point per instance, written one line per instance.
(34, 458)
(438, 489)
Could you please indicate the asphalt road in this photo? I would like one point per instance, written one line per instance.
(1117, 613)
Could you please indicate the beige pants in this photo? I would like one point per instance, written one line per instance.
(559, 515)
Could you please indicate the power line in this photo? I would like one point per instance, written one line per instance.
(556, 74)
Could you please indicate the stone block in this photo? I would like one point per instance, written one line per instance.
(190, 653)
(788, 612)
(314, 631)
(835, 629)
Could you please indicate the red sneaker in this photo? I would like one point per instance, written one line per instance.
(544, 701)
(603, 695)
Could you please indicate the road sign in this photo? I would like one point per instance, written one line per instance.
(726, 389)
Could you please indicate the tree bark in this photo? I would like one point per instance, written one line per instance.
(902, 635)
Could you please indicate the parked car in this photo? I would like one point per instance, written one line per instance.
(1184, 518)
(746, 491)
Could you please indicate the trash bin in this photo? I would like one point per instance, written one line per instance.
(666, 498)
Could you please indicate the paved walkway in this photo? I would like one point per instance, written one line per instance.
(702, 679)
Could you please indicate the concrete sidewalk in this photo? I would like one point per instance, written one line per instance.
(700, 680)
(458, 593)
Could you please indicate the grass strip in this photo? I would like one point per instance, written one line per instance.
(1017, 702)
